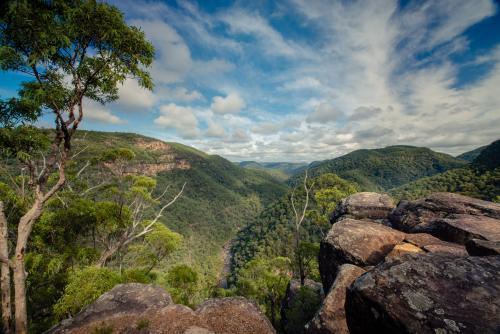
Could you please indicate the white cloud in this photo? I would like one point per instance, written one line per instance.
(303, 84)
(180, 118)
(180, 94)
(214, 129)
(96, 112)
(323, 113)
(231, 104)
(173, 57)
(134, 97)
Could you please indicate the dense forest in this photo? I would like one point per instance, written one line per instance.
(386, 168)
(82, 211)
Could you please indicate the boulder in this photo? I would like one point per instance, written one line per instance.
(432, 244)
(456, 250)
(300, 304)
(403, 249)
(460, 228)
(425, 239)
(357, 242)
(364, 205)
(142, 308)
(330, 318)
(428, 293)
(478, 247)
(415, 215)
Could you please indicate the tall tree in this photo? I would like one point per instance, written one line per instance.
(297, 224)
(74, 50)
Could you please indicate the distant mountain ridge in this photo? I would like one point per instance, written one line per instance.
(471, 155)
(279, 170)
(385, 168)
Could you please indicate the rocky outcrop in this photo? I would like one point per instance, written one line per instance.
(331, 316)
(357, 242)
(428, 293)
(418, 216)
(420, 278)
(141, 308)
(477, 247)
(296, 306)
(364, 205)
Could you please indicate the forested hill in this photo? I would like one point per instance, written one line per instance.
(480, 179)
(385, 168)
(279, 170)
(219, 197)
(471, 155)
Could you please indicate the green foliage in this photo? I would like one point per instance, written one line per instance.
(86, 40)
(182, 281)
(466, 181)
(385, 168)
(271, 234)
(84, 286)
(489, 158)
(304, 306)
(265, 281)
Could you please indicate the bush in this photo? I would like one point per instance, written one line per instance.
(85, 286)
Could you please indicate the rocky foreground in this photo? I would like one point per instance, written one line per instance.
(427, 266)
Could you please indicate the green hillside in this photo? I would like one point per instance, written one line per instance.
(471, 155)
(218, 200)
(386, 168)
(481, 179)
(279, 170)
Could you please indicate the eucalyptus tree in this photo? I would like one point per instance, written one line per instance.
(73, 51)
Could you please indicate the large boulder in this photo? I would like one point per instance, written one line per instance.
(432, 244)
(478, 247)
(141, 308)
(415, 216)
(330, 318)
(428, 293)
(364, 205)
(361, 243)
(460, 228)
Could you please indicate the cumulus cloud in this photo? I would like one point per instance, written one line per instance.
(323, 113)
(182, 119)
(134, 97)
(180, 94)
(231, 104)
(98, 113)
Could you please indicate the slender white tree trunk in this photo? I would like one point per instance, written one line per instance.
(5, 274)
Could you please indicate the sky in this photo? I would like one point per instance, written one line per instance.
(305, 80)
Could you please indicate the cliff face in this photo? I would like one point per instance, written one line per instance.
(415, 269)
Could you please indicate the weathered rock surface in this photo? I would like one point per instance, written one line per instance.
(459, 228)
(428, 293)
(478, 247)
(362, 243)
(414, 216)
(444, 249)
(330, 318)
(403, 249)
(364, 205)
(141, 308)
(293, 316)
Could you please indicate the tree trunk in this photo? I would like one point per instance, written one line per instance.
(5, 274)
(23, 232)
(108, 253)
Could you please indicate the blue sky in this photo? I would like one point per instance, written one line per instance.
(304, 80)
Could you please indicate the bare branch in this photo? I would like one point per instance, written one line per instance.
(82, 169)
(81, 151)
(163, 194)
